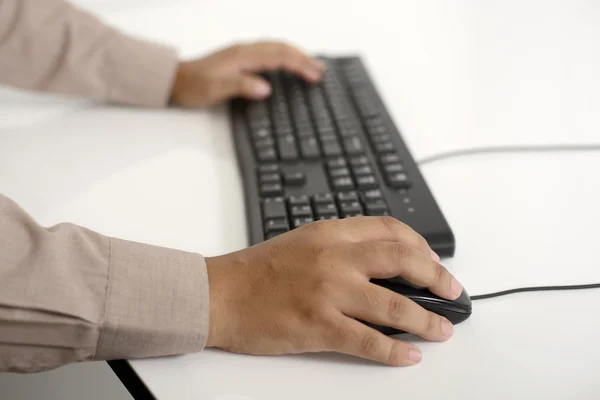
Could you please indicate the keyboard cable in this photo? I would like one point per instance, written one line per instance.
(518, 149)
(557, 148)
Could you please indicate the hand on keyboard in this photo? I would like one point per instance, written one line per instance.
(301, 292)
(233, 73)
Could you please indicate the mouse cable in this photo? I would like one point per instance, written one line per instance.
(510, 149)
(535, 289)
(518, 149)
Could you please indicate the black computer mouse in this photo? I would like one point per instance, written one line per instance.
(456, 311)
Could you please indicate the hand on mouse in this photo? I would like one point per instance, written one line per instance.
(301, 291)
(232, 72)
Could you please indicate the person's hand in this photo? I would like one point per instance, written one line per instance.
(233, 72)
(301, 292)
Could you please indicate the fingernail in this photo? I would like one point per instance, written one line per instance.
(415, 355)
(262, 89)
(455, 288)
(435, 257)
(320, 64)
(314, 75)
(447, 328)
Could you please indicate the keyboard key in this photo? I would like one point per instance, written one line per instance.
(343, 183)
(380, 139)
(326, 209)
(263, 169)
(372, 195)
(294, 178)
(389, 159)
(305, 132)
(261, 133)
(309, 148)
(385, 147)
(276, 224)
(393, 168)
(350, 215)
(348, 132)
(271, 189)
(301, 211)
(264, 143)
(323, 198)
(339, 172)
(359, 161)
(366, 182)
(376, 130)
(267, 155)
(398, 181)
(270, 178)
(364, 170)
(336, 162)
(326, 217)
(373, 122)
(353, 146)
(350, 207)
(298, 200)
(274, 208)
(298, 222)
(326, 132)
(377, 207)
(287, 148)
(347, 196)
(332, 149)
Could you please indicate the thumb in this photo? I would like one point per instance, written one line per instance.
(251, 87)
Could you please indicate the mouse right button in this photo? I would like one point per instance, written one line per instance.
(463, 299)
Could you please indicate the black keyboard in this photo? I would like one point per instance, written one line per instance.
(327, 151)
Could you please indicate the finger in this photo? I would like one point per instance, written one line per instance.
(382, 260)
(250, 87)
(381, 306)
(366, 229)
(267, 56)
(357, 339)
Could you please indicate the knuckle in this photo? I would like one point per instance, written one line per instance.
(325, 288)
(390, 223)
(394, 357)
(370, 299)
(431, 323)
(369, 344)
(400, 251)
(315, 314)
(439, 272)
(397, 308)
(237, 48)
(320, 230)
(315, 226)
(343, 338)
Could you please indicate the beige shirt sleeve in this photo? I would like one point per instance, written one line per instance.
(69, 294)
(50, 45)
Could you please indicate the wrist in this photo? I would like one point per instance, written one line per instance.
(180, 83)
(217, 290)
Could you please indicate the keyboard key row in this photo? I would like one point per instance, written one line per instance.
(359, 174)
(277, 212)
(272, 180)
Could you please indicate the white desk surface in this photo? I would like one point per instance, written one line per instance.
(455, 75)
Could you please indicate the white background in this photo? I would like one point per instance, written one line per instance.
(454, 74)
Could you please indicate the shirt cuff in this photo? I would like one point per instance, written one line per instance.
(157, 302)
(143, 73)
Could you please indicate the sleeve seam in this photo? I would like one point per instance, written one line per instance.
(106, 300)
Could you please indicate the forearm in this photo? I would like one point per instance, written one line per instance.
(68, 294)
(50, 45)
